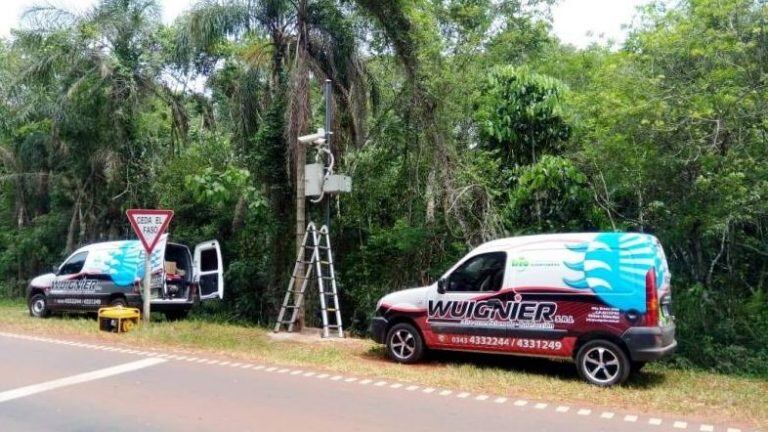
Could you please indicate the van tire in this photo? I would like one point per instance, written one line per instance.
(118, 301)
(38, 306)
(404, 343)
(602, 363)
(176, 315)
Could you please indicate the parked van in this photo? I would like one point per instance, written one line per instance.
(600, 299)
(111, 273)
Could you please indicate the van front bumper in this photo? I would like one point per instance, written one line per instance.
(378, 329)
(650, 343)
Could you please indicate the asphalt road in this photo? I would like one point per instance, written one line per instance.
(46, 386)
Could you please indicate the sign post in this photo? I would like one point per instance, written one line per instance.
(149, 226)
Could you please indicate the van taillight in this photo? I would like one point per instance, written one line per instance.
(651, 299)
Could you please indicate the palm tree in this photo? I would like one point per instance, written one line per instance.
(94, 71)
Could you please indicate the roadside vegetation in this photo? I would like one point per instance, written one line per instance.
(660, 388)
(460, 121)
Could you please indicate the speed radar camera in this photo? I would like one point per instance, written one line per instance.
(313, 138)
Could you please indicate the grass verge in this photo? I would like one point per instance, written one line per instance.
(658, 389)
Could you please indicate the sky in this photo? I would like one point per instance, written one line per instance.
(577, 22)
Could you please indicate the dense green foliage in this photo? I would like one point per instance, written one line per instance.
(460, 121)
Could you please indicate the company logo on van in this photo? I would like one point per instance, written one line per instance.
(519, 264)
(492, 310)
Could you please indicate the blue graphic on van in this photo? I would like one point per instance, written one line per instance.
(614, 266)
(125, 264)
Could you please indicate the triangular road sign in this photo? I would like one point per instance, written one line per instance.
(149, 225)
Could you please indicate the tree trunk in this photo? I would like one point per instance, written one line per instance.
(73, 225)
(298, 119)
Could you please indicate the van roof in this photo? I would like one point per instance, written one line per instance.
(533, 241)
(108, 245)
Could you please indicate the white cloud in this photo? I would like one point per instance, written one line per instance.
(573, 19)
(12, 10)
(581, 22)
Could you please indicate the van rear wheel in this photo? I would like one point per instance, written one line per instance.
(602, 363)
(118, 302)
(404, 343)
(176, 315)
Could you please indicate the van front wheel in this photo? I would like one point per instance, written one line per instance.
(38, 306)
(404, 343)
(602, 363)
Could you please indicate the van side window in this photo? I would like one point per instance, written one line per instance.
(209, 261)
(74, 264)
(481, 273)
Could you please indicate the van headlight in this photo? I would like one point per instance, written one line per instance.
(379, 303)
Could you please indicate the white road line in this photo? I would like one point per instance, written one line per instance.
(77, 379)
(158, 357)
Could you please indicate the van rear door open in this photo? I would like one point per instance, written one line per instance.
(209, 270)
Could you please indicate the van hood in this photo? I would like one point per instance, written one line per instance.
(407, 299)
(43, 281)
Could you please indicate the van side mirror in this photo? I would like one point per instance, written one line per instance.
(55, 269)
(441, 286)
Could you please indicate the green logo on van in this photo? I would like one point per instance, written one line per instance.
(519, 264)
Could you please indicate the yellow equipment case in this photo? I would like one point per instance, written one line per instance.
(118, 319)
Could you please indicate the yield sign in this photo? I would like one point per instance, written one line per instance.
(149, 225)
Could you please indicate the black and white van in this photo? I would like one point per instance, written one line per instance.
(110, 274)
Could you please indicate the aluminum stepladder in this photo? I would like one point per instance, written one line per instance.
(318, 268)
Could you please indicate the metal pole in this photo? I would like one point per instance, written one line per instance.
(328, 124)
(147, 283)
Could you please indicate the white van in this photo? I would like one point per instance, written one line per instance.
(600, 299)
(110, 274)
